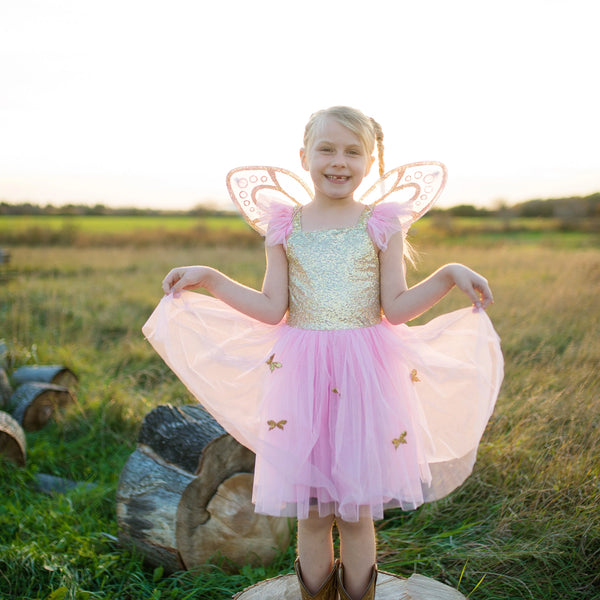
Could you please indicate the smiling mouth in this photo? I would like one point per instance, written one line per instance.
(337, 178)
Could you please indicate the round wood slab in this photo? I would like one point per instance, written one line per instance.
(389, 587)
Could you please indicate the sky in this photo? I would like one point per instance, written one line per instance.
(150, 103)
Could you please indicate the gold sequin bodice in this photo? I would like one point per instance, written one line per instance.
(333, 277)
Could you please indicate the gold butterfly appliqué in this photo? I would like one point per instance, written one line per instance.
(414, 376)
(273, 364)
(400, 440)
(276, 424)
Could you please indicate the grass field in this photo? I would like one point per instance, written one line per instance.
(527, 521)
(181, 230)
(102, 224)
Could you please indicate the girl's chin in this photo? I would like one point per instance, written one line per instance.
(333, 197)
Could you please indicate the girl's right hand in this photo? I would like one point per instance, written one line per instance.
(185, 278)
(471, 283)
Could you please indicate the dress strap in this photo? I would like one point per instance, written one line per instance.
(297, 219)
(365, 215)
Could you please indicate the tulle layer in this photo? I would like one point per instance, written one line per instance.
(346, 421)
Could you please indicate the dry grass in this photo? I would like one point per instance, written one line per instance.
(528, 519)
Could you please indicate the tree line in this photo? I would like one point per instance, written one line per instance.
(572, 207)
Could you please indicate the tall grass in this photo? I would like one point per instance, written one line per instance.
(528, 520)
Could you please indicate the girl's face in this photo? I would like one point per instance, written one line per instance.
(337, 162)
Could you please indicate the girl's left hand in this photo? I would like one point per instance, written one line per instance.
(472, 284)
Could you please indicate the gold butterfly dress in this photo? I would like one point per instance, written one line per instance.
(346, 413)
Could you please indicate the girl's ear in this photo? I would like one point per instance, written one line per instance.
(304, 159)
(369, 165)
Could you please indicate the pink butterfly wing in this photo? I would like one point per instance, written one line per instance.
(252, 188)
(416, 186)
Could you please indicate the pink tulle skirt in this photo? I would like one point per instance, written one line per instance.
(345, 422)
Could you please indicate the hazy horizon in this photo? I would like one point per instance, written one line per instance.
(144, 104)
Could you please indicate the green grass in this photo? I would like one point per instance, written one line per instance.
(527, 520)
(115, 224)
(112, 230)
(182, 230)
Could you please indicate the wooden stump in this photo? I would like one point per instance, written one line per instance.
(56, 374)
(34, 403)
(12, 440)
(184, 495)
(389, 587)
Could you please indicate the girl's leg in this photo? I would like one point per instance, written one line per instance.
(357, 548)
(315, 549)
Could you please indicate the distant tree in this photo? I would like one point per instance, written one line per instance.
(468, 210)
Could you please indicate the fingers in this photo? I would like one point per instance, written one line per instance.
(184, 278)
(475, 287)
(172, 282)
(481, 294)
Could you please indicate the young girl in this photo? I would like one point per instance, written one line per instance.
(348, 412)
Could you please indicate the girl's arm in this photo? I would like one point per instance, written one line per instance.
(269, 305)
(401, 304)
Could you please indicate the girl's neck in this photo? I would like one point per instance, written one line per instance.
(330, 214)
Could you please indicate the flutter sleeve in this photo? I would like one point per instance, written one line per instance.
(276, 217)
(385, 220)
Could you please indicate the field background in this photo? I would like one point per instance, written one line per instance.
(527, 521)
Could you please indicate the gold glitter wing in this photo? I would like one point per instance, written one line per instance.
(416, 186)
(252, 188)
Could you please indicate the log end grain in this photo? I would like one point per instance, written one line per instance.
(233, 532)
(12, 440)
(35, 402)
(5, 389)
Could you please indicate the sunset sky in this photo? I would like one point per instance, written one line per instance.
(146, 103)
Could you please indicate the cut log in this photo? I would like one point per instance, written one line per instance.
(186, 488)
(12, 440)
(389, 587)
(34, 403)
(5, 389)
(56, 374)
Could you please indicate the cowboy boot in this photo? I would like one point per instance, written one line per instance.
(369, 593)
(328, 591)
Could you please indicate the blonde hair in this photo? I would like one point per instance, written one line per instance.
(366, 129)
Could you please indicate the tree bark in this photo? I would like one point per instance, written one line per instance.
(56, 374)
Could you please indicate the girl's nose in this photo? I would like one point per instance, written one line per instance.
(339, 160)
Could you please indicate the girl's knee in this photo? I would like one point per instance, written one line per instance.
(363, 525)
(315, 523)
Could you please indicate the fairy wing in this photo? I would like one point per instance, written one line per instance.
(416, 186)
(253, 188)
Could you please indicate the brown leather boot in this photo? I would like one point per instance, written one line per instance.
(328, 591)
(369, 593)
